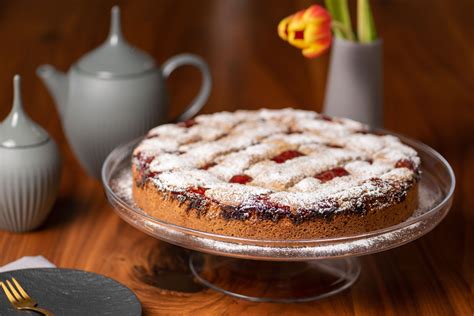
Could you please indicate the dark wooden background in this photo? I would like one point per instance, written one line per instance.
(429, 88)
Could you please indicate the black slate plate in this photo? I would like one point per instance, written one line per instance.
(71, 292)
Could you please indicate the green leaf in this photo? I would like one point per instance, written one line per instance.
(365, 22)
(340, 13)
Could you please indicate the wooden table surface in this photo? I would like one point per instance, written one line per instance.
(429, 87)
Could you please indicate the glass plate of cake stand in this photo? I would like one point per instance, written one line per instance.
(283, 270)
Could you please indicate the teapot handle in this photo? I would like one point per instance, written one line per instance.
(189, 59)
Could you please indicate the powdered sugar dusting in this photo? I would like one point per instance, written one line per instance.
(209, 152)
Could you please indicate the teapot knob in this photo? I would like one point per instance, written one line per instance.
(115, 33)
(115, 57)
(18, 130)
(17, 100)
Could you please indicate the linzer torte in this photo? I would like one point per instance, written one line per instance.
(275, 174)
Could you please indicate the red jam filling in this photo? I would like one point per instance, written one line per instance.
(405, 163)
(328, 175)
(187, 123)
(207, 166)
(198, 190)
(144, 161)
(286, 155)
(326, 117)
(240, 178)
(153, 174)
(334, 145)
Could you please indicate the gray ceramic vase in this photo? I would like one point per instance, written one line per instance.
(114, 94)
(355, 83)
(30, 167)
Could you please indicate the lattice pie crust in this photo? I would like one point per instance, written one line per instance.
(275, 174)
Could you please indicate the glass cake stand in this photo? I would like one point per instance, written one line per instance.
(283, 270)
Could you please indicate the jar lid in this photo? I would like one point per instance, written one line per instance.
(18, 130)
(115, 57)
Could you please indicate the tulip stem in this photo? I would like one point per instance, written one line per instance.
(365, 22)
(342, 29)
(340, 13)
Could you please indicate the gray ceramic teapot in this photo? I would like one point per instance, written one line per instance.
(114, 94)
(30, 169)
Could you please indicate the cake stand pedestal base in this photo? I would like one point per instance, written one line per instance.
(273, 281)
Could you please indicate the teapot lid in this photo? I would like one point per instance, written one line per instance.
(18, 130)
(115, 57)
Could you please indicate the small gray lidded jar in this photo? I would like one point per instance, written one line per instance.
(30, 166)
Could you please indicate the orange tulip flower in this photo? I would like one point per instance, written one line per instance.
(309, 30)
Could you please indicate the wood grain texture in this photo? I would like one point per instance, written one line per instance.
(428, 72)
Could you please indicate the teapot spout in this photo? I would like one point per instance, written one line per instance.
(57, 84)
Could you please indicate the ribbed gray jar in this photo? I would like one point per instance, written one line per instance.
(29, 182)
(30, 167)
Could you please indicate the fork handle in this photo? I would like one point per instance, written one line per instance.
(43, 311)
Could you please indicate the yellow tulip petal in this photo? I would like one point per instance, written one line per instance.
(283, 27)
(314, 32)
(316, 49)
